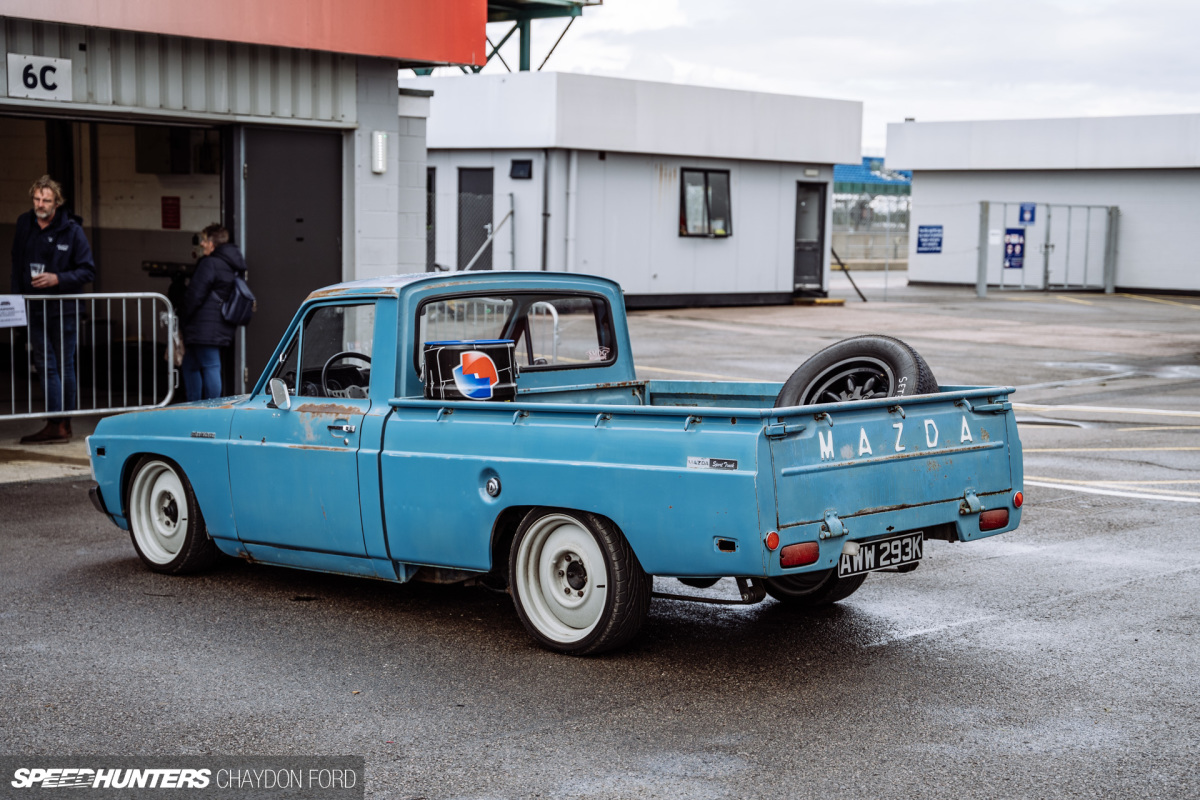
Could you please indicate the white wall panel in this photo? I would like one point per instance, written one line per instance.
(628, 220)
(120, 71)
(1158, 211)
(1151, 142)
(588, 112)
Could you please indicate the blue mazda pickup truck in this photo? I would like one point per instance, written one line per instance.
(490, 427)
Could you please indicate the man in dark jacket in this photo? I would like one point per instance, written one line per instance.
(205, 330)
(51, 256)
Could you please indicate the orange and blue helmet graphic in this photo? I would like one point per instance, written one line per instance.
(476, 375)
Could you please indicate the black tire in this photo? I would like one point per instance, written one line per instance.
(813, 589)
(859, 368)
(576, 583)
(165, 523)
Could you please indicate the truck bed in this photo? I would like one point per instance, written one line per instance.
(643, 454)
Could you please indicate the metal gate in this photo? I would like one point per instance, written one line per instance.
(1047, 246)
(124, 355)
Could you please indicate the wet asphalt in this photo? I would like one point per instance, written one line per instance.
(1059, 660)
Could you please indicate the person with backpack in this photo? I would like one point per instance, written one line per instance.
(219, 276)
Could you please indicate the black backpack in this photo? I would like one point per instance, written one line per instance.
(238, 308)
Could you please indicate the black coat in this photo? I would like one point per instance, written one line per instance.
(62, 247)
(206, 292)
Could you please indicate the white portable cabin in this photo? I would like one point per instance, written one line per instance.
(685, 195)
(1101, 203)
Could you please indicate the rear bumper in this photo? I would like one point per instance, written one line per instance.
(943, 520)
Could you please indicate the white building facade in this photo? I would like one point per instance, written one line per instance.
(685, 195)
(1101, 203)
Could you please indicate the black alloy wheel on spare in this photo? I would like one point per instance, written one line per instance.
(859, 368)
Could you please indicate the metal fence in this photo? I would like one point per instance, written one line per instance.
(871, 212)
(1061, 247)
(88, 353)
(474, 231)
(869, 227)
(871, 245)
(484, 317)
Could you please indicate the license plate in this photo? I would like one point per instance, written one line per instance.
(883, 554)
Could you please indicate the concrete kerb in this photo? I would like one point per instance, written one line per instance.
(24, 462)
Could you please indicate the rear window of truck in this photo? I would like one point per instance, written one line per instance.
(551, 331)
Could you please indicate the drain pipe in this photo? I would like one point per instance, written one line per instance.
(545, 205)
(572, 209)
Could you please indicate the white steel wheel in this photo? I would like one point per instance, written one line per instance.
(576, 583)
(165, 524)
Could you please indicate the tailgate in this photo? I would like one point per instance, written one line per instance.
(875, 456)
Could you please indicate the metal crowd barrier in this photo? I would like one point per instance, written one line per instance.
(483, 317)
(125, 352)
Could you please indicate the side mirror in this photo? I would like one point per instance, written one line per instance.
(279, 394)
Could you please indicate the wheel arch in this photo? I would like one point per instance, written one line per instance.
(504, 530)
(127, 473)
(607, 591)
(211, 486)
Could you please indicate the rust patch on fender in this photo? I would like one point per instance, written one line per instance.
(983, 434)
(314, 408)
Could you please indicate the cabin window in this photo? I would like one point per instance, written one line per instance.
(704, 203)
(333, 350)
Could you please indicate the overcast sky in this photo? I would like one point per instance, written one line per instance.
(928, 59)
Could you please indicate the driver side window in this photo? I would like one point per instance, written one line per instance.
(333, 352)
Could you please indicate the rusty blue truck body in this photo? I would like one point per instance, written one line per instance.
(361, 474)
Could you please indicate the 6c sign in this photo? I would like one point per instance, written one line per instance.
(39, 78)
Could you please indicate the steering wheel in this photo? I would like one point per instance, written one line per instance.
(340, 392)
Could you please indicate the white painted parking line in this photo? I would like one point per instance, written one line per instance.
(1076, 382)
(1153, 412)
(1110, 483)
(1103, 449)
(1160, 428)
(1146, 486)
(1193, 306)
(641, 367)
(1112, 492)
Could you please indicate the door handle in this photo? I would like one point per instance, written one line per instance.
(342, 428)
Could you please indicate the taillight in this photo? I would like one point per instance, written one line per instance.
(1018, 499)
(798, 555)
(991, 519)
(772, 541)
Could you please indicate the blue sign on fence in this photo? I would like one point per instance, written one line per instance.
(929, 238)
(1028, 213)
(1014, 248)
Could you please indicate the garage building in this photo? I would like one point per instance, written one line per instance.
(1100, 203)
(279, 119)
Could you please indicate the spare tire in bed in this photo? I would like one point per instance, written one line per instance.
(859, 368)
